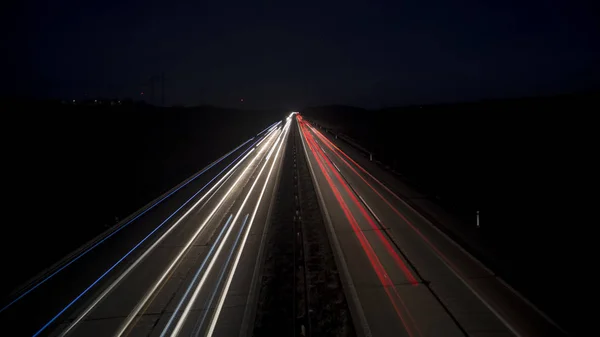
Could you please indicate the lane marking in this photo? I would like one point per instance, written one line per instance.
(370, 210)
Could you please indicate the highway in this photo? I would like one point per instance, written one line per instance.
(402, 276)
(189, 263)
(184, 266)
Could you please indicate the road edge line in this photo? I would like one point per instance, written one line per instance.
(356, 311)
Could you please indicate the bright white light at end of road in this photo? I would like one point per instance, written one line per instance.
(293, 113)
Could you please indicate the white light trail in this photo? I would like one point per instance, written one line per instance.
(215, 316)
(209, 303)
(176, 260)
(188, 307)
(274, 126)
(150, 249)
(189, 288)
(266, 136)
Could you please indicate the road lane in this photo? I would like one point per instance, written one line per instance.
(468, 293)
(144, 302)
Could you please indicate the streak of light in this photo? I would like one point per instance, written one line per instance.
(220, 279)
(131, 267)
(370, 209)
(451, 266)
(124, 325)
(276, 125)
(265, 137)
(188, 307)
(45, 279)
(391, 251)
(239, 254)
(189, 288)
(332, 146)
(268, 128)
(183, 250)
(374, 260)
(375, 263)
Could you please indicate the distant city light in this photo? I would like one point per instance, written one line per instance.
(142, 93)
(73, 101)
(241, 99)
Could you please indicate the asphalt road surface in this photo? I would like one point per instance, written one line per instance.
(183, 267)
(402, 276)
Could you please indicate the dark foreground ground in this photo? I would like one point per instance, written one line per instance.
(524, 164)
(72, 171)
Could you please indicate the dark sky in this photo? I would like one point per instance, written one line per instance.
(296, 53)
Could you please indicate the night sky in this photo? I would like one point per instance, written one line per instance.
(290, 54)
